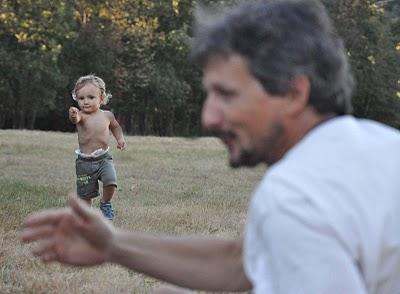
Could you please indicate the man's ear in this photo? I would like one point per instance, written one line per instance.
(298, 95)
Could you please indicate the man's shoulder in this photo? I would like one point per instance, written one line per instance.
(359, 127)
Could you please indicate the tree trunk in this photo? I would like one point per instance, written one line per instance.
(186, 123)
(127, 119)
(32, 118)
(3, 117)
(170, 122)
(14, 119)
(21, 119)
(147, 122)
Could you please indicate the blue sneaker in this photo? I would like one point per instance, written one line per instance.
(107, 210)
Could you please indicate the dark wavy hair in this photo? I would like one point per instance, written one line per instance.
(280, 39)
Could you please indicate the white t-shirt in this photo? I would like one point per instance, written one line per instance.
(326, 218)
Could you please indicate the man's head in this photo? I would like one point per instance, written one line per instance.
(268, 67)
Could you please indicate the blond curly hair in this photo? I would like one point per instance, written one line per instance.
(96, 81)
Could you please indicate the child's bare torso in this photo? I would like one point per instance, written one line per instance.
(93, 131)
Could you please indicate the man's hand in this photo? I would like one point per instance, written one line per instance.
(74, 114)
(77, 235)
(121, 144)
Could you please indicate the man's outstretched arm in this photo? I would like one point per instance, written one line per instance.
(80, 236)
(191, 262)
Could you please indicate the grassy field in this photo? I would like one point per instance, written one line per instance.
(166, 185)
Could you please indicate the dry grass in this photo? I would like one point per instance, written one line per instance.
(166, 185)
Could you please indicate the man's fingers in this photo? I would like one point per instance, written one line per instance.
(46, 217)
(49, 257)
(43, 247)
(37, 233)
(79, 207)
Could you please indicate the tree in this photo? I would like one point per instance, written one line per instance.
(372, 52)
(31, 35)
(141, 48)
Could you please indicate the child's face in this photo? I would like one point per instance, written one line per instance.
(89, 98)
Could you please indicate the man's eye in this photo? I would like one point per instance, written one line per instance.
(226, 94)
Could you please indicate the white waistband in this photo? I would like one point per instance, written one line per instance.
(94, 154)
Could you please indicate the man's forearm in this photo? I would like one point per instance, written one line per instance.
(196, 263)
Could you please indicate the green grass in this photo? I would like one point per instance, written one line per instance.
(166, 185)
(19, 198)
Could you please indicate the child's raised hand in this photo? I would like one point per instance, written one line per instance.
(73, 114)
(73, 111)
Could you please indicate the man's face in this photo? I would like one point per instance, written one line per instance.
(248, 120)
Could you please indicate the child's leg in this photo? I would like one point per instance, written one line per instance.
(87, 184)
(105, 203)
(108, 193)
(87, 200)
(109, 178)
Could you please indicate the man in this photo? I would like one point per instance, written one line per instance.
(324, 219)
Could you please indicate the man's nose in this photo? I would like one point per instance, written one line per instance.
(211, 116)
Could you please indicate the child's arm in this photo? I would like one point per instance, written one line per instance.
(116, 130)
(74, 115)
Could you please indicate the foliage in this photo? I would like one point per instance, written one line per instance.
(371, 47)
(31, 36)
(140, 48)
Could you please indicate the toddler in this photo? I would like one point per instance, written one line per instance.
(94, 163)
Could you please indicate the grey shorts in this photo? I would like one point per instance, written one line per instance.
(89, 171)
